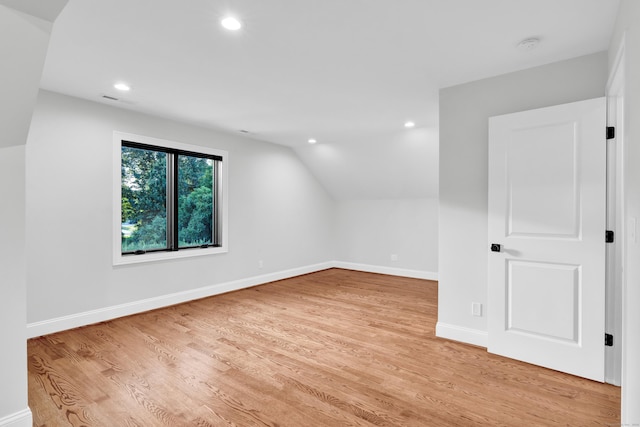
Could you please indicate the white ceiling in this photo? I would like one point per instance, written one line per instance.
(47, 11)
(345, 72)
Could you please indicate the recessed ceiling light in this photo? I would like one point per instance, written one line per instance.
(231, 23)
(409, 124)
(122, 87)
(312, 141)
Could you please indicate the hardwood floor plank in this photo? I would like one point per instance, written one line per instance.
(333, 348)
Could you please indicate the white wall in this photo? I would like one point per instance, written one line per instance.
(464, 112)
(369, 231)
(628, 29)
(278, 212)
(23, 47)
(13, 369)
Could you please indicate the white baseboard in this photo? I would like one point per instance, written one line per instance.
(77, 320)
(462, 334)
(19, 419)
(58, 324)
(416, 274)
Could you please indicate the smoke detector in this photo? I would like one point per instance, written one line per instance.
(529, 44)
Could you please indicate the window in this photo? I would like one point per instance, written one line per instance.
(170, 199)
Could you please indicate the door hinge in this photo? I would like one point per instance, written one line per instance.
(611, 132)
(609, 236)
(608, 340)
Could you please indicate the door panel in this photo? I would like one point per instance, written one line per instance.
(543, 201)
(547, 211)
(528, 286)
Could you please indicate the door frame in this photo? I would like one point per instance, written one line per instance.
(615, 260)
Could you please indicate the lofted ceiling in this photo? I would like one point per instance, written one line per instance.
(347, 73)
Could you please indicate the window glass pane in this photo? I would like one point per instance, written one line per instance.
(195, 202)
(144, 198)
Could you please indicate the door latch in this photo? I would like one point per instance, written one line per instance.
(495, 247)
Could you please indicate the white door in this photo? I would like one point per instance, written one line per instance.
(546, 298)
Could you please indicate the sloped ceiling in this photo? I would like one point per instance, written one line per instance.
(47, 10)
(346, 73)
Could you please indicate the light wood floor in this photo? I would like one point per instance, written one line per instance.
(333, 348)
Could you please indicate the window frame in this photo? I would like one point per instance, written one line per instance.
(220, 196)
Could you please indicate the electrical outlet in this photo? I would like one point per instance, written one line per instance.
(476, 309)
(260, 263)
(394, 257)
